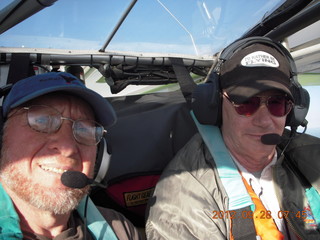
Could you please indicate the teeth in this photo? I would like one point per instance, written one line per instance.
(53, 169)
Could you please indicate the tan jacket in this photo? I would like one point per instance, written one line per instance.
(190, 191)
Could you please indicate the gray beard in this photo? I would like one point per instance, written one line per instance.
(57, 201)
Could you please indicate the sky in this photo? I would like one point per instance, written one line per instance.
(181, 26)
(193, 27)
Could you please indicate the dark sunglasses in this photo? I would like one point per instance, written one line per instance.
(46, 119)
(278, 105)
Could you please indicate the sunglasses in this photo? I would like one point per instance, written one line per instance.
(46, 119)
(278, 105)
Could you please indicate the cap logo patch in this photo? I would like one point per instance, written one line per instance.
(259, 59)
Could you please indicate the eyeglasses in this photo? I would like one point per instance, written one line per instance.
(278, 105)
(46, 119)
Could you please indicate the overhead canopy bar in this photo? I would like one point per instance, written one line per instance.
(18, 11)
(106, 58)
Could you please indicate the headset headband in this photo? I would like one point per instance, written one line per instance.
(207, 102)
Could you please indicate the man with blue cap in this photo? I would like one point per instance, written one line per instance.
(53, 125)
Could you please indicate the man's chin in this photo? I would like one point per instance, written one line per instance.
(55, 199)
(59, 202)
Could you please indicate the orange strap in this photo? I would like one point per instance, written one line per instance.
(263, 221)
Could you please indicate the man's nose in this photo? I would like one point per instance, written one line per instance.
(262, 116)
(63, 140)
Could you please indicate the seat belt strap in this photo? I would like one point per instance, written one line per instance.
(20, 67)
(312, 194)
(96, 223)
(242, 227)
(263, 221)
(228, 172)
(187, 85)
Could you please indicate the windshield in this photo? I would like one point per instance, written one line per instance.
(160, 26)
(195, 28)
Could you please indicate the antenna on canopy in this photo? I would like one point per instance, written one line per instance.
(184, 28)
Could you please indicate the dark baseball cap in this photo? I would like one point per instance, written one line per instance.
(38, 85)
(255, 69)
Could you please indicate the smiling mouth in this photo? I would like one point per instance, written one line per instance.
(53, 169)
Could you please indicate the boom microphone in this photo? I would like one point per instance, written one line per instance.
(75, 179)
(271, 139)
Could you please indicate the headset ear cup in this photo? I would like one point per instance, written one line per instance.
(298, 114)
(102, 161)
(207, 100)
(3, 93)
(206, 103)
(98, 158)
(1, 127)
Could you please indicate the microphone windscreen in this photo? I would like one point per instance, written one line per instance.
(74, 179)
(271, 139)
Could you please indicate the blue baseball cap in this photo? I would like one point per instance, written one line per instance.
(32, 87)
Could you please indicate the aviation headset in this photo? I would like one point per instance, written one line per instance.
(103, 153)
(207, 97)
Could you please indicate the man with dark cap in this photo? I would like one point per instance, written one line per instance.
(53, 125)
(232, 181)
